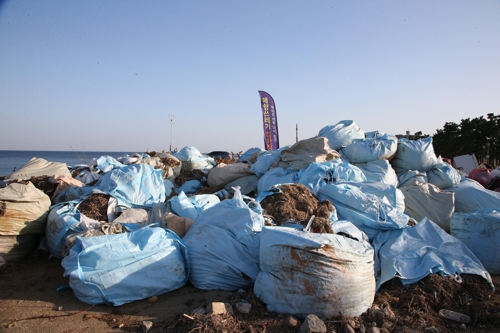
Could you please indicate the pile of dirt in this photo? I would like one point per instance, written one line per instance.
(396, 309)
(95, 207)
(42, 183)
(187, 175)
(296, 202)
(416, 306)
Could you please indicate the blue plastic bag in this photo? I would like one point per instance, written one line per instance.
(123, 268)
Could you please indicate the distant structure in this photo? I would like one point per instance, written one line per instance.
(401, 136)
(171, 117)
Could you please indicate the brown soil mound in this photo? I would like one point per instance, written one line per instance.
(95, 207)
(417, 306)
(40, 182)
(403, 309)
(296, 202)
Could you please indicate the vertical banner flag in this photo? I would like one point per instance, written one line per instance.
(270, 122)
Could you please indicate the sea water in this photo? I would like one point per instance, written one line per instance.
(11, 160)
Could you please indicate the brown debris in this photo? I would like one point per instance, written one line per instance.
(296, 202)
(186, 175)
(417, 306)
(95, 207)
(43, 184)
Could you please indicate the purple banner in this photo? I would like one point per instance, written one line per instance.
(270, 122)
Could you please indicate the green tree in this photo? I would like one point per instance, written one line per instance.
(478, 136)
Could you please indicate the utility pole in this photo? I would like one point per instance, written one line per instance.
(296, 132)
(171, 117)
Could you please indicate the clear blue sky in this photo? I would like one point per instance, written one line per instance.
(106, 75)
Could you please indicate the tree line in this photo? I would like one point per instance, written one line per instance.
(479, 136)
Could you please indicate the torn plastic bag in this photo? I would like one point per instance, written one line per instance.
(223, 245)
(415, 252)
(319, 174)
(192, 207)
(277, 176)
(189, 187)
(480, 232)
(40, 167)
(63, 220)
(123, 268)
(169, 186)
(365, 210)
(415, 155)
(247, 184)
(427, 200)
(85, 176)
(409, 177)
(443, 175)
(192, 159)
(107, 163)
(249, 152)
(306, 273)
(223, 173)
(136, 186)
(470, 196)
(341, 134)
(72, 193)
(382, 147)
(379, 171)
(300, 155)
(393, 195)
(264, 161)
(23, 210)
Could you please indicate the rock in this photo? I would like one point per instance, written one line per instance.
(291, 321)
(348, 329)
(378, 316)
(362, 328)
(201, 311)
(389, 314)
(243, 307)
(463, 327)
(153, 299)
(384, 330)
(229, 308)
(452, 315)
(312, 324)
(59, 308)
(373, 330)
(353, 324)
(431, 330)
(146, 326)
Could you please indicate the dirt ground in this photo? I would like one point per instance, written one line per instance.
(33, 296)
